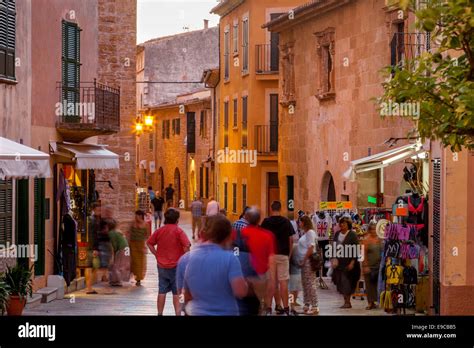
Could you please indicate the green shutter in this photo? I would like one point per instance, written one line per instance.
(71, 61)
(39, 225)
(22, 217)
(7, 38)
(6, 213)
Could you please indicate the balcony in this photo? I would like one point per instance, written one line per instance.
(87, 110)
(267, 60)
(266, 139)
(404, 47)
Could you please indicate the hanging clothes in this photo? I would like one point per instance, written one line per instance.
(69, 248)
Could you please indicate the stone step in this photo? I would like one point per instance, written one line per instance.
(33, 301)
(48, 294)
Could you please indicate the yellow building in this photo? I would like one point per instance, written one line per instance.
(248, 103)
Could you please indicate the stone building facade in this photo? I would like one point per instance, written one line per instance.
(332, 54)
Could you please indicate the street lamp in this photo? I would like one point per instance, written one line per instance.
(149, 121)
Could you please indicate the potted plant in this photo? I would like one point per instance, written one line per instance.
(19, 281)
(4, 294)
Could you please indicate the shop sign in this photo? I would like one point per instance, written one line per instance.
(152, 167)
(372, 200)
(335, 205)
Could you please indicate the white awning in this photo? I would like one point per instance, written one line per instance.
(87, 156)
(18, 161)
(383, 159)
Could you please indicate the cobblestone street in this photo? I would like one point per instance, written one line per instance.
(132, 300)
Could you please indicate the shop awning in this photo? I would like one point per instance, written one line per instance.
(384, 159)
(18, 161)
(87, 156)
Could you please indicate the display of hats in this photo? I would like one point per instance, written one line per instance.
(380, 228)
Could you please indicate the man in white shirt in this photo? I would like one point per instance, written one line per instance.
(212, 207)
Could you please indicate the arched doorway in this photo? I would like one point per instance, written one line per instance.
(161, 180)
(328, 190)
(177, 186)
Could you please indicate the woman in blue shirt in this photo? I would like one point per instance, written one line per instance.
(213, 277)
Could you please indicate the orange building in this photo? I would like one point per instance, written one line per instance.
(248, 104)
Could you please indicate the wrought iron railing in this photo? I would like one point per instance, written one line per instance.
(404, 47)
(266, 139)
(90, 103)
(267, 59)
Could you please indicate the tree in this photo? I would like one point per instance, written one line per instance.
(440, 80)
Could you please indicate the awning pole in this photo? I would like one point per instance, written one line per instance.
(382, 181)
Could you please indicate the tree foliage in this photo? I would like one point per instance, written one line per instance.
(441, 80)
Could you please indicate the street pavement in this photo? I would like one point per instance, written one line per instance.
(133, 300)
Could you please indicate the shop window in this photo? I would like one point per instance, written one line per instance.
(6, 211)
(325, 52)
(7, 39)
(235, 38)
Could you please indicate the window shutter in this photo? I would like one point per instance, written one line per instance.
(71, 61)
(7, 38)
(6, 214)
(39, 224)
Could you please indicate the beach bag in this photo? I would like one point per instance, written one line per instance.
(316, 260)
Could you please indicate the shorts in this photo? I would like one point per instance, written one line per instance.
(282, 267)
(167, 280)
(197, 222)
(158, 215)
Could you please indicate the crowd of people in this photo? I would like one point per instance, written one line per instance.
(254, 266)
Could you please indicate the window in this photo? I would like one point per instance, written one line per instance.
(235, 113)
(235, 38)
(39, 224)
(71, 61)
(203, 124)
(226, 124)
(7, 39)
(244, 196)
(290, 193)
(225, 196)
(167, 129)
(244, 121)
(207, 182)
(245, 44)
(163, 130)
(326, 51)
(234, 198)
(151, 136)
(176, 126)
(226, 54)
(6, 211)
(201, 182)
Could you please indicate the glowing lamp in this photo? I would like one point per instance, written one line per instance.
(148, 121)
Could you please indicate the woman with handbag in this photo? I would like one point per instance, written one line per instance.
(346, 268)
(306, 248)
(371, 263)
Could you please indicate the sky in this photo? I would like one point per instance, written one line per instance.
(157, 18)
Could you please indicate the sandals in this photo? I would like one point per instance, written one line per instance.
(371, 306)
(93, 292)
(346, 305)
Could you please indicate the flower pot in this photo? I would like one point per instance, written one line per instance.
(16, 305)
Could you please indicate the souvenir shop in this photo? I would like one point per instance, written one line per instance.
(402, 227)
(75, 189)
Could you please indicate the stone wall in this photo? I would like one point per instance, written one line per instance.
(117, 52)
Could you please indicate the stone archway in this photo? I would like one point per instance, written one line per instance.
(328, 189)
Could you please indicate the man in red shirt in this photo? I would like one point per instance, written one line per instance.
(171, 243)
(261, 245)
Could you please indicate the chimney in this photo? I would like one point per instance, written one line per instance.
(206, 24)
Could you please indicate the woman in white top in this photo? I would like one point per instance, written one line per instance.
(306, 248)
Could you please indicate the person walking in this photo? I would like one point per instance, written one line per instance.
(371, 263)
(137, 236)
(283, 231)
(168, 244)
(213, 277)
(261, 245)
(120, 265)
(212, 207)
(306, 248)
(347, 268)
(157, 202)
(169, 195)
(94, 229)
(196, 214)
